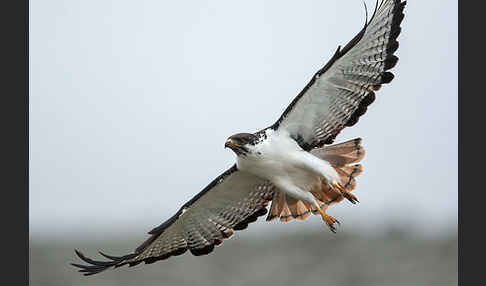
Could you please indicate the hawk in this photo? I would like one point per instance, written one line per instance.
(291, 163)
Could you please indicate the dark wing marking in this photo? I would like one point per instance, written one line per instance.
(339, 93)
(228, 203)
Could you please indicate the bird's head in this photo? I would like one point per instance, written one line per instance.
(242, 143)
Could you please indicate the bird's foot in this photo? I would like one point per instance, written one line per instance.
(329, 220)
(350, 197)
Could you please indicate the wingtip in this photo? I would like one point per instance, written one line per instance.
(366, 11)
(76, 265)
(79, 254)
(108, 256)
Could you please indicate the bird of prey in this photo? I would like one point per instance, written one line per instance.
(292, 163)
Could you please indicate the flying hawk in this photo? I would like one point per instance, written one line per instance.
(290, 163)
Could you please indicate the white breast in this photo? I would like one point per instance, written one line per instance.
(280, 160)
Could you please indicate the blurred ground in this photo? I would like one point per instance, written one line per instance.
(392, 258)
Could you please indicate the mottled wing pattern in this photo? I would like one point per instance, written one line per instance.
(340, 92)
(229, 203)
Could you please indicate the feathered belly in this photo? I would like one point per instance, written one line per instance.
(281, 170)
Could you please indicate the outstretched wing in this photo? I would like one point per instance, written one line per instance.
(340, 92)
(228, 203)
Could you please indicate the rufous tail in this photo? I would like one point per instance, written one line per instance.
(343, 157)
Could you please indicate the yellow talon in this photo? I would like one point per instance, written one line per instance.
(329, 220)
(350, 197)
(339, 187)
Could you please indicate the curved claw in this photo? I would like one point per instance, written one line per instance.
(330, 221)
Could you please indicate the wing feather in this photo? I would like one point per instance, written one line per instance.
(339, 93)
(229, 203)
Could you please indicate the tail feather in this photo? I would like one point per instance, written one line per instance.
(341, 156)
(354, 170)
(292, 204)
(276, 208)
(297, 208)
(285, 215)
(348, 175)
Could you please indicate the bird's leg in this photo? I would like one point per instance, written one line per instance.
(329, 220)
(299, 194)
(326, 170)
(350, 197)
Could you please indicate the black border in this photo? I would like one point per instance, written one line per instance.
(15, 150)
(470, 156)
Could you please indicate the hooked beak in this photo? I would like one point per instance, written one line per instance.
(237, 148)
(229, 143)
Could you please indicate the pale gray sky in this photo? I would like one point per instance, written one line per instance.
(131, 102)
